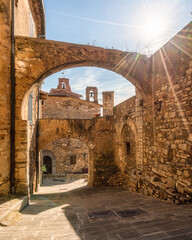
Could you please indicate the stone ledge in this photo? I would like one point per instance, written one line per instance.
(10, 209)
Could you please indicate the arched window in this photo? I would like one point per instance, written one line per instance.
(91, 96)
(63, 85)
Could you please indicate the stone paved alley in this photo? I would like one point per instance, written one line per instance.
(70, 210)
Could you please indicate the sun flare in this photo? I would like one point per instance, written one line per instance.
(153, 27)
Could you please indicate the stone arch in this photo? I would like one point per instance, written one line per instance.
(51, 129)
(131, 124)
(51, 155)
(38, 58)
(71, 155)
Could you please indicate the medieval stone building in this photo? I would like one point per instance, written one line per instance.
(146, 145)
(62, 103)
(68, 155)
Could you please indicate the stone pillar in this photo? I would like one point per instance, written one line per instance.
(92, 94)
(139, 125)
(108, 103)
(5, 92)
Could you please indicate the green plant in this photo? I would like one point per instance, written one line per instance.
(44, 169)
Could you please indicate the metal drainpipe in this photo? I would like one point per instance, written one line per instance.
(37, 144)
(12, 133)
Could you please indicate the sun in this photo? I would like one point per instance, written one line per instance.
(153, 27)
(155, 21)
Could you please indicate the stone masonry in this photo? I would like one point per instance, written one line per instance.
(146, 145)
(61, 152)
(65, 104)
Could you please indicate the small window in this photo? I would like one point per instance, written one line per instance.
(63, 85)
(73, 159)
(41, 102)
(128, 147)
(91, 96)
(30, 108)
(31, 25)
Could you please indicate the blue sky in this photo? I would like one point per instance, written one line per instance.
(119, 24)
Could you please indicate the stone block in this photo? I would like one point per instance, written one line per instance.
(180, 187)
(171, 182)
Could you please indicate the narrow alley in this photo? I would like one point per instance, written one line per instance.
(68, 209)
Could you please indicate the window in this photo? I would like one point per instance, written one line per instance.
(128, 147)
(30, 108)
(63, 85)
(73, 159)
(91, 96)
(31, 25)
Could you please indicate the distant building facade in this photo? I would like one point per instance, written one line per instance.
(69, 155)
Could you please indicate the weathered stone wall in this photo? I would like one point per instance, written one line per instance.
(96, 133)
(163, 125)
(63, 149)
(69, 108)
(129, 115)
(160, 124)
(25, 157)
(108, 103)
(5, 91)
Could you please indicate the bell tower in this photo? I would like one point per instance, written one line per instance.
(64, 84)
(92, 94)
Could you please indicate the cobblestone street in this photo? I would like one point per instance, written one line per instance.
(69, 210)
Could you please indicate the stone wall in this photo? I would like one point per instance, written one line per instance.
(25, 157)
(96, 133)
(22, 8)
(63, 150)
(163, 125)
(108, 103)
(5, 91)
(68, 108)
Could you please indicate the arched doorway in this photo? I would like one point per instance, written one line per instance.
(47, 164)
(71, 157)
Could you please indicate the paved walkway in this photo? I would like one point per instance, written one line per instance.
(72, 211)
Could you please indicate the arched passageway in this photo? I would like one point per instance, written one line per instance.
(47, 163)
(38, 58)
(70, 156)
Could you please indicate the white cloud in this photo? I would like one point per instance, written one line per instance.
(103, 79)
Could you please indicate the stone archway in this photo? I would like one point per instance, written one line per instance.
(70, 156)
(38, 58)
(101, 153)
(50, 154)
(47, 162)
